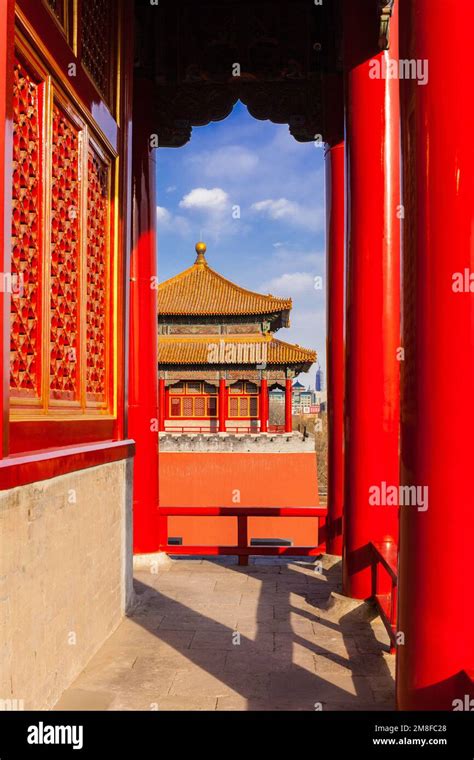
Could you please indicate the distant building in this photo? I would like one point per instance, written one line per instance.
(218, 357)
(319, 379)
(308, 401)
(303, 398)
(225, 387)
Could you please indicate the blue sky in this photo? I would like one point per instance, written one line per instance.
(277, 244)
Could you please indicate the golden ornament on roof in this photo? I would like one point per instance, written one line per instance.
(201, 250)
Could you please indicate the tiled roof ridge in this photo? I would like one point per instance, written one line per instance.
(288, 353)
(272, 301)
(232, 338)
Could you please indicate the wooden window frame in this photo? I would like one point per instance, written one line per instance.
(239, 398)
(69, 28)
(36, 422)
(193, 396)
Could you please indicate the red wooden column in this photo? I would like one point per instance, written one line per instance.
(161, 403)
(288, 405)
(263, 405)
(7, 15)
(372, 307)
(143, 412)
(222, 405)
(436, 614)
(335, 341)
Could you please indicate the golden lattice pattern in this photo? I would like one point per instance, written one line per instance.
(65, 257)
(96, 38)
(97, 240)
(26, 225)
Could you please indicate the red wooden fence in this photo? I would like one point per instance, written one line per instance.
(242, 549)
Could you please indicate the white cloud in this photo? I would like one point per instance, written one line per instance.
(285, 210)
(163, 216)
(290, 283)
(203, 199)
(166, 220)
(171, 189)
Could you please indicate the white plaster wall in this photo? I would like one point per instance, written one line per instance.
(65, 577)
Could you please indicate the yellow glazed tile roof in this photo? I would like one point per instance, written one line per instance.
(197, 349)
(199, 290)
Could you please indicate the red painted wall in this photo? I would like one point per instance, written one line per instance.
(215, 479)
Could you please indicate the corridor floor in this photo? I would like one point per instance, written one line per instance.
(210, 635)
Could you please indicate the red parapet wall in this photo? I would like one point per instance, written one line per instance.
(234, 479)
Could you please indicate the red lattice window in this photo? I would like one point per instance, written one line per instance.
(175, 407)
(200, 406)
(246, 403)
(97, 274)
(61, 352)
(65, 258)
(187, 407)
(26, 300)
(212, 407)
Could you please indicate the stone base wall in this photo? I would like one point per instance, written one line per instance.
(226, 442)
(66, 577)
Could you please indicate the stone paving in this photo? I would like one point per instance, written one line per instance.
(210, 635)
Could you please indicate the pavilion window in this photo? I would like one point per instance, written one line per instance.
(212, 407)
(175, 407)
(243, 406)
(187, 405)
(177, 388)
(199, 406)
(61, 351)
(194, 402)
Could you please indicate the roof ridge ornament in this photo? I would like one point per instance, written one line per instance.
(385, 14)
(201, 249)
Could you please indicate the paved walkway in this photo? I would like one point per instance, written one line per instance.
(210, 635)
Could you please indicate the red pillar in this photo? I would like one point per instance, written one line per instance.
(335, 341)
(263, 405)
(436, 614)
(372, 309)
(143, 413)
(222, 405)
(161, 403)
(288, 405)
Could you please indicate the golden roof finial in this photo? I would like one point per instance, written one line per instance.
(201, 251)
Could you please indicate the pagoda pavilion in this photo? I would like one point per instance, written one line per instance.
(218, 356)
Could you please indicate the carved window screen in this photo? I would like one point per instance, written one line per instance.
(97, 43)
(65, 257)
(97, 274)
(27, 224)
(61, 355)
